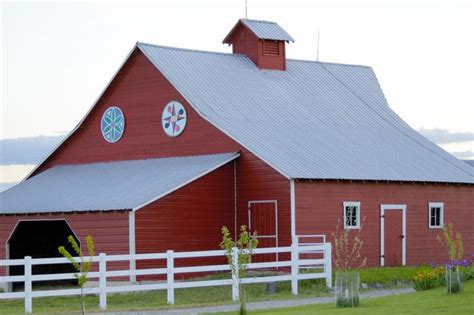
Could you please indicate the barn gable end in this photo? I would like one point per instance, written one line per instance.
(142, 92)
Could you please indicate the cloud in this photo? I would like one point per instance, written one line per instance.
(443, 136)
(464, 154)
(30, 150)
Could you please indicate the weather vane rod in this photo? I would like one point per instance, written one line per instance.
(317, 52)
(246, 9)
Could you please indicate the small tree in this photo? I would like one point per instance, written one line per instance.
(83, 266)
(347, 256)
(246, 244)
(453, 241)
(346, 250)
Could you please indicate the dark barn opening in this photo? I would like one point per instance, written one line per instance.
(40, 239)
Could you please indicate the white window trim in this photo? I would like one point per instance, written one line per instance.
(351, 204)
(441, 214)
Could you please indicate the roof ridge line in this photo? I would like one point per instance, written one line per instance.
(242, 55)
(329, 63)
(190, 50)
(259, 21)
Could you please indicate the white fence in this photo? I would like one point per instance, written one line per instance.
(316, 268)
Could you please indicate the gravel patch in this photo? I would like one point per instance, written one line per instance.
(261, 305)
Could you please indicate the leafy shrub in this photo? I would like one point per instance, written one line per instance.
(428, 279)
(390, 275)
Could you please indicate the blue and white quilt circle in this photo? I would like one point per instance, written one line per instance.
(174, 119)
(112, 124)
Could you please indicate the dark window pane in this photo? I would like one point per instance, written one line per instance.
(435, 216)
(351, 216)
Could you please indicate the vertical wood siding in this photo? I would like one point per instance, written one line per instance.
(189, 219)
(256, 182)
(319, 206)
(109, 230)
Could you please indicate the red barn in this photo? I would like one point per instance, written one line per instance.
(182, 142)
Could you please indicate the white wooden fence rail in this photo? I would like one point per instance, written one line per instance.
(296, 263)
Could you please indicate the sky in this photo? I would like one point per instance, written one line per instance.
(57, 57)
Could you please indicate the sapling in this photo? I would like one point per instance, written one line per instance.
(83, 266)
(246, 245)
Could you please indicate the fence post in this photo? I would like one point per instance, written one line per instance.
(102, 281)
(28, 286)
(170, 275)
(235, 274)
(328, 264)
(294, 267)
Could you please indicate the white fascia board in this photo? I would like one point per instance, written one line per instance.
(233, 157)
(83, 118)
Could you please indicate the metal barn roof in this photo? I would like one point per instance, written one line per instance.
(107, 186)
(264, 30)
(313, 121)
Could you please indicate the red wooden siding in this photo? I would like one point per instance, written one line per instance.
(319, 206)
(109, 230)
(256, 181)
(142, 93)
(189, 219)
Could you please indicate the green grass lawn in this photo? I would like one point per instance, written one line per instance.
(434, 301)
(154, 300)
(201, 296)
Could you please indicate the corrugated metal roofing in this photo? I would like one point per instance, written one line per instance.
(469, 162)
(315, 120)
(106, 186)
(267, 30)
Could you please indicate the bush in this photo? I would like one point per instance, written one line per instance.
(390, 275)
(428, 279)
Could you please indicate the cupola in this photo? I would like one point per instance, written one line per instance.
(261, 41)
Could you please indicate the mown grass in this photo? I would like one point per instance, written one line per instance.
(203, 296)
(431, 302)
(154, 300)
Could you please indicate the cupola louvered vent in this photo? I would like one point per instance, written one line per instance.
(271, 48)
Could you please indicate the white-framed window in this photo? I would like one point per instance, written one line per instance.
(351, 214)
(435, 215)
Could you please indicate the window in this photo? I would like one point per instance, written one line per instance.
(271, 48)
(435, 215)
(351, 214)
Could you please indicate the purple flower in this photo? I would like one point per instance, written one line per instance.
(433, 265)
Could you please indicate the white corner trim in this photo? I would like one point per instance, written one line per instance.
(132, 244)
(441, 214)
(351, 204)
(383, 208)
(83, 118)
(233, 157)
(293, 210)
